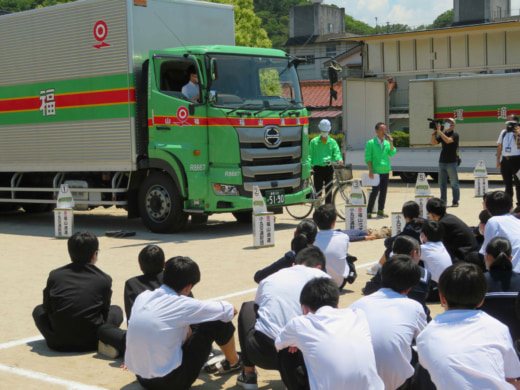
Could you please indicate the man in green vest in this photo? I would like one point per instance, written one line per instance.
(377, 156)
(324, 150)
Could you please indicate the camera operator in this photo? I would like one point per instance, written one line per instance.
(508, 156)
(448, 159)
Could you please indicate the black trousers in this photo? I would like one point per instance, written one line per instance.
(257, 348)
(56, 341)
(195, 352)
(509, 166)
(380, 189)
(323, 175)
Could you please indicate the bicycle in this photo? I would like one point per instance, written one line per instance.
(340, 185)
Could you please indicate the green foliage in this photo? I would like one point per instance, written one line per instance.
(269, 82)
(401, 139)
(248, 26)
(354, 26)
(443, 20)
(337, 137)
(275, 18)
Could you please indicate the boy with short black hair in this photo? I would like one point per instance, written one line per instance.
(502, 224)
(76, 300)
(464, 348)
(395, 320)
(151, 260)
(163, 349)
(335, 343)
(433, 252)
(333, 243)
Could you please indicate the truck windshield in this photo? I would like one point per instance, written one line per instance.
(256, 83)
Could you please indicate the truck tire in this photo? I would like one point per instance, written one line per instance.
(408, 177)
(243, 216)
(160, 204)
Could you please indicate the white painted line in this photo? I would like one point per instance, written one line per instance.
(365, 265)
(233, 295)
(69, 385)
(16, 343)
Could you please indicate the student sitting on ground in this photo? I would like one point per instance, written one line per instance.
(335, 344)
(434, 255)
(406, 245)
(170, 334)
(333, 243)
(500, 276)
(151, 261)
(276, 302)
(76, 301)
(411, 213)
(465, 348)
(304, 236)
(395, 320)
(502, 224)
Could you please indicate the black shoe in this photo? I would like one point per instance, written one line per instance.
(223, 366)
(455, 205)
(247, 381)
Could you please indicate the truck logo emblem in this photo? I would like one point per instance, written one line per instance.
(100, 33)
(272, 137)
(182, 116)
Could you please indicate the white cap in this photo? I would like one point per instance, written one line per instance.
(325, 125)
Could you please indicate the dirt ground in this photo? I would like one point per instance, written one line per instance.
(223, 249)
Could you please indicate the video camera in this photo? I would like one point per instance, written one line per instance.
(511, 126)
(433, 123)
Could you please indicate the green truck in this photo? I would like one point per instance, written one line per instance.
(91, 96)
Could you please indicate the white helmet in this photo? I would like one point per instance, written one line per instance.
(325, 125)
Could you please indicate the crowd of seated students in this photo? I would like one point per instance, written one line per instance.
(294, 325)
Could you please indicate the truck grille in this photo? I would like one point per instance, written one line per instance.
(269, 166)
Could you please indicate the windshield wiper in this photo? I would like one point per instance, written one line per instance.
(292, 106)
(246, 106)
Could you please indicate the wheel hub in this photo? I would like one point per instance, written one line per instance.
(158, 203)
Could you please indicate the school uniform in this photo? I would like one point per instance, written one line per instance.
(436, 258)
(468, 349)
(507, 226)
(337, 349)
(395, 321)
(157, 348)
(334, 245)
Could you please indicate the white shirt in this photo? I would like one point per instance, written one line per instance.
(336, 347)
(190, 90)
(395, 321)
(507, 226)
(436, 258)
(334, 245)
(468, 349)
(508, 142)
(278, 297)
(159, 325)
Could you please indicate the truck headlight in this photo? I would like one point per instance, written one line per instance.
(225, 189)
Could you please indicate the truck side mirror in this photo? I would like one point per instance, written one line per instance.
(214, 69)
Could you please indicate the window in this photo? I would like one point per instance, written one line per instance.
(330, 28)
(330, 51)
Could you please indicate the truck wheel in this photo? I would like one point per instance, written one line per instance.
(243, 216)
(408, 177)
(160, 204)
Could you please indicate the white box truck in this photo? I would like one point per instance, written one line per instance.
(479, 104)
(91, 95)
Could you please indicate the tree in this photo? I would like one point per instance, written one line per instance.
(443, 20)
(354, 26)
(248, 26)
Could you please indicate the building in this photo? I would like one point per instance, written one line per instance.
(315, 33)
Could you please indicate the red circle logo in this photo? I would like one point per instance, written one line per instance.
(100, 30)
(182, 113)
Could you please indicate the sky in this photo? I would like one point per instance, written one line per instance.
(411, 12)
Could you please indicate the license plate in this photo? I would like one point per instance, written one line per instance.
(274, 197)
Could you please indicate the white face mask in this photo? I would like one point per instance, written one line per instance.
(324, 134)
(447, 125)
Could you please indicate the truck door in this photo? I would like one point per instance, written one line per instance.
(178, 125)
(365, 104)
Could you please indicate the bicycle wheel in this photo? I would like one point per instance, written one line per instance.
(340, 199)
(300, 211)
